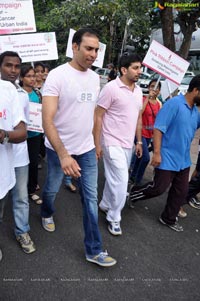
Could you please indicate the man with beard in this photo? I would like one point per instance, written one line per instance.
(174, 130)
(118, 118)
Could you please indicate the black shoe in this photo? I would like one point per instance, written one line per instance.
(176, 227)
(194, 203)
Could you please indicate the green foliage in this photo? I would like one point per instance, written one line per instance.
(107, 17)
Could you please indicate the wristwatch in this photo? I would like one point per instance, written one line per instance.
(139, 142)
(6, 138)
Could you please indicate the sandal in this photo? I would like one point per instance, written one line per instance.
(71, 187)
(35, 198)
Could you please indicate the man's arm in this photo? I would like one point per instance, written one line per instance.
(99, 113)
(18, 135)
(49, 109)
(138, 148)
(157, 139)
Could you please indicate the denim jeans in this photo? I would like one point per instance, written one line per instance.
(2, 205)
(88, 191)
(139, 164)
(67, 180)
(20, 200)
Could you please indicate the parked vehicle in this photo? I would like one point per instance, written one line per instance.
(103, 74)
(145, 79)
(190, 73)
(184, 84)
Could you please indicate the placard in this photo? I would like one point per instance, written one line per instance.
(16, 16)
(165, 62)
(35, 117)
(31, 47)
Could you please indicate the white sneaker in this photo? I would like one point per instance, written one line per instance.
(114, 228)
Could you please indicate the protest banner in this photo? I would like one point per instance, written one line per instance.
(16, 17)
(35, 117)
(165, 62)
(31, 47)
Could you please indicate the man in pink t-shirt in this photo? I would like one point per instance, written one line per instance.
(69, 98)
(117, 120)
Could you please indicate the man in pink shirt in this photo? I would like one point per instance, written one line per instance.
(117, 120)
(69, 98)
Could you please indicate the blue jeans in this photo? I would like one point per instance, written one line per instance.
(88, 191)
(67, 180)
(20, 200)
(139, 164)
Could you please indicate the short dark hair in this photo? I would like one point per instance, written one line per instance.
(25, 68)
(77, 38)
(195, 83)
(127, 60)
(155, 80)
(47, 66)
(39, 64)
(9, 53)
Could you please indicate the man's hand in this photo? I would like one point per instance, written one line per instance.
(70, 166)
(156, 160)
(138, 150)
(2, 135)
(99, 152)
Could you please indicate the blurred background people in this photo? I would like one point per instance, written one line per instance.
(151, 106)
(27, 81)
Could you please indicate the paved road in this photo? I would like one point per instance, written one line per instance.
(154, 262)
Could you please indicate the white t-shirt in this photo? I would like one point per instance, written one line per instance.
(122, 110)
(11, 114)
(77, 92)
(21, 157)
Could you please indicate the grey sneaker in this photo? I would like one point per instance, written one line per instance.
(102, 259)
(194, 202)
(48, 224)
(176, 227)
(26, 243)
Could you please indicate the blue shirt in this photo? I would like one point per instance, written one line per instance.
(178, 123)
(33, 97)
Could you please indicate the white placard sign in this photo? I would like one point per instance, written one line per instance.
(16, 16)
(35, 117)
(31, 47)
(101, 53)
(165, 62)
(167, 88)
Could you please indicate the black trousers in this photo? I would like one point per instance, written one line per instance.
(178, 182)
(194, 186)
(33, 150)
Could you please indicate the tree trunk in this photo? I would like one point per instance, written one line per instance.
(185, 46)
(168, 28)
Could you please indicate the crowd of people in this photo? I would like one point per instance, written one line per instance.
(82, 124)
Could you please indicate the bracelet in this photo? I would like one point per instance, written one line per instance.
(139, 142)
(6, 137)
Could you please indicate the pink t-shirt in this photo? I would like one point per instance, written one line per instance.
(77, 92)
(122, 109)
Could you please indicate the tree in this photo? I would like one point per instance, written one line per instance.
(108, 17)
(188, 22)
